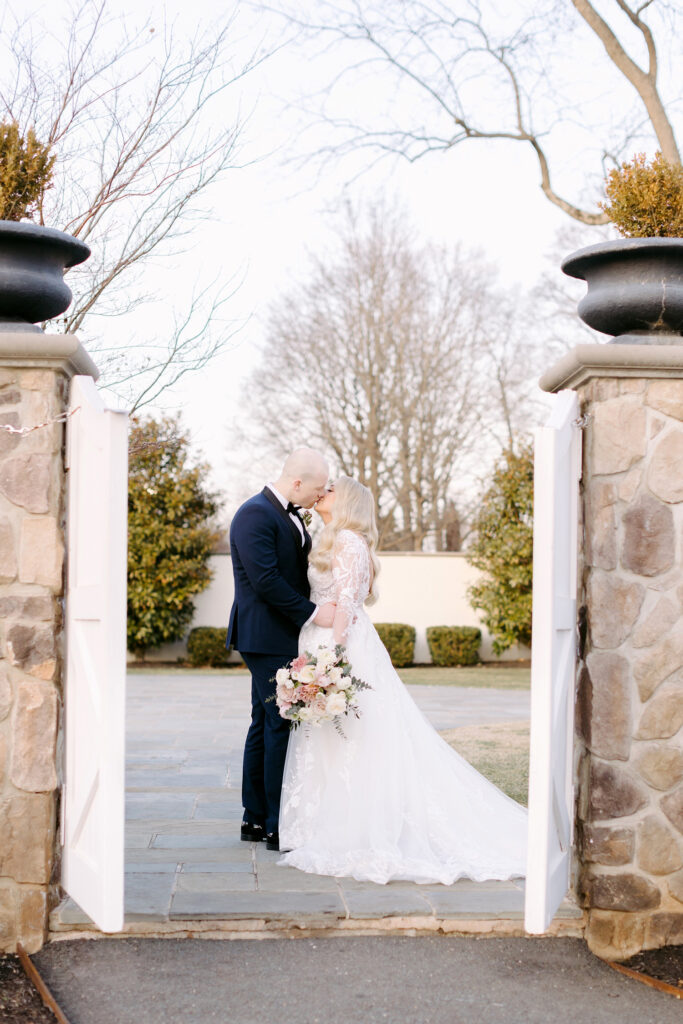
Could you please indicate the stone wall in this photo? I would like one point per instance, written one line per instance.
(31, 559)
(630, 684)
(34, 379)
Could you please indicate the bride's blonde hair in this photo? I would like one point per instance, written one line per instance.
(353, 509)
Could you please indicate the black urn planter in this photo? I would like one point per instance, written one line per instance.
(32, 264)
(635, 289)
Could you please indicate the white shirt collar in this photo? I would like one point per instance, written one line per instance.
(283, 501)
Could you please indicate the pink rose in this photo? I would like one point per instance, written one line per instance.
(284, 708)
(308, 692)
(319, 705)
(299, 663)
(285, 691)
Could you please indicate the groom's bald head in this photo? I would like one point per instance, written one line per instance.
(304, 476)
(305, 463)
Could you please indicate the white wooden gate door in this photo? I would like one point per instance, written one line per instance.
(93, 812)
(557, 469)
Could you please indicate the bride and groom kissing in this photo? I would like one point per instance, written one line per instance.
(389, 799)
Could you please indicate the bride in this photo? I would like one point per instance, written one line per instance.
(390, 799)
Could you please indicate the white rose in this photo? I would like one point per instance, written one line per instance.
(306, 674)
(336, 704)
(325, 659)
(282, 677)
(305, 714)
(335, 675)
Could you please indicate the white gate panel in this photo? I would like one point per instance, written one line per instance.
(557, 470)
(94, 788)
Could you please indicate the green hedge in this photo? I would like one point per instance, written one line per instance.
(399, 640)
(206, 646)
(454, 645)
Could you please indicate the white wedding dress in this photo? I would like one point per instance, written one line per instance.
(392, 800)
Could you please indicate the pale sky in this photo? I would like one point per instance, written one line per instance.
(267, 215)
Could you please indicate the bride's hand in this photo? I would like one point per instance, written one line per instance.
(324, 617)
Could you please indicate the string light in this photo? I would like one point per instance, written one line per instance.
(62, 418)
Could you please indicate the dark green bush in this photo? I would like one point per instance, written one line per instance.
(399, 640)
(454, 645)
(502, 550)
(171, 533)
(206, 646)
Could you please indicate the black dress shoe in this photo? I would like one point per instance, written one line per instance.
(252, 833)
(273, 841)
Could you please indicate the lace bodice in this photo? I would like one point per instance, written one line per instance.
(347, 583)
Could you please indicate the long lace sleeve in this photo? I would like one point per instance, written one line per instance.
(351, 574)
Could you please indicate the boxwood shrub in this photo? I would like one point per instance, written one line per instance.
(206, 646)
(454, 645)
(399, 640)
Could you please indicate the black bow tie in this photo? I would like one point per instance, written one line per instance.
(292, 509)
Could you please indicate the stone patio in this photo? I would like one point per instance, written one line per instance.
(185, 863)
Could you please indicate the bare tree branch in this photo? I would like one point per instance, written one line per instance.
(143, 124)
(644, 82)
(450, 62)
(385, 357)
(197, 336)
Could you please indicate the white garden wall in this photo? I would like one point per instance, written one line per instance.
(415, 587)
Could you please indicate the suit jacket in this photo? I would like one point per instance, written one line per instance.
(269, 564)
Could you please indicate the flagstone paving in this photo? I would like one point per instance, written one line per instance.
(184, 857)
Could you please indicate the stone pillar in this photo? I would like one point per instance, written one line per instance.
(630, 680)
(35, 370)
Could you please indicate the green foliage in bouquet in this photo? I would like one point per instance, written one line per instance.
(206, 646)
(646, 199)
(503, 550)
(170, 533)
(454, 645)
(25, 172)
(399, 640)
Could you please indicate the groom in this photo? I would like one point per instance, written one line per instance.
(269, 547)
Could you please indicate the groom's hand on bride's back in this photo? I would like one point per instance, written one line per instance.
(324, 616)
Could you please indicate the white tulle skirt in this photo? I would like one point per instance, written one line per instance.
(393, 800)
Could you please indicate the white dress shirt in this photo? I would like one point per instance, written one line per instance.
(295, 519)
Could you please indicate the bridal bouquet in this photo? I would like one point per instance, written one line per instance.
(317, 688)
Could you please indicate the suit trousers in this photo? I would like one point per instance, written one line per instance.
(265, 748)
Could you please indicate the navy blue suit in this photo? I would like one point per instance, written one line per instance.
(269, 564)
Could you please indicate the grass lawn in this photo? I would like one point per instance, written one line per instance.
(425, 675)
(483, 676)
(500, 751)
